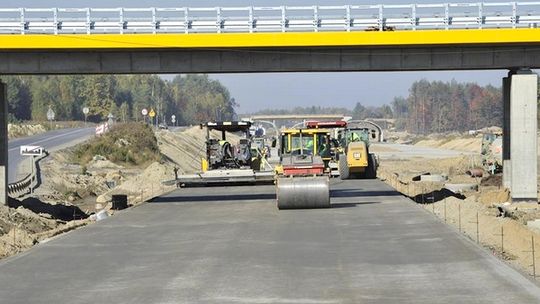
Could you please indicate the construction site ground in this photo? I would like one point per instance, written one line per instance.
(232, 245)
(67, 196)
(69, 192)
(475, 214)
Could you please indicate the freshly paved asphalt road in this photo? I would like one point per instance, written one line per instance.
(231, 245)
(52, 140)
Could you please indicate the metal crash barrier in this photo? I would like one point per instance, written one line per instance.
(269, 19)
(29, 182)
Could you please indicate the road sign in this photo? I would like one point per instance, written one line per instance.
(31, 150)
(152, 113)
(111, 119)
(85, 111)
(144, 112)
(173, 118)
(50, 114)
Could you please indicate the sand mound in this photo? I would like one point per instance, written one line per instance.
(472, 144)
(187, 148)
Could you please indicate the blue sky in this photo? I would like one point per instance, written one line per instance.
(287, 90)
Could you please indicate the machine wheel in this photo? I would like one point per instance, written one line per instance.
(344, 171)
(371, 171)
(303, 192)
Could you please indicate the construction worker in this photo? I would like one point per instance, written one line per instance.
(324, 148)
(308, 144)
(175, 172)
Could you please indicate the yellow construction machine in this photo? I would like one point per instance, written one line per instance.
(355, 159)
(301, 181)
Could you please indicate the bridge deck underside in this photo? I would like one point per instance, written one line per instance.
(270, 52)
(270, 60)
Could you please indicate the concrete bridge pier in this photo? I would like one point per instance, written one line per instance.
(520, 94)
(3, 144)
(506, 162)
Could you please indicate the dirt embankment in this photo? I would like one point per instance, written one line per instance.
(186, 149)
(477, 214)
(468, 144)
(28, 222)
(71, 191)
(99, 179)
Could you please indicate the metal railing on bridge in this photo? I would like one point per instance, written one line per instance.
(269, 19)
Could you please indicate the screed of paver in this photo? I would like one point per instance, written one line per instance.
(232, 245)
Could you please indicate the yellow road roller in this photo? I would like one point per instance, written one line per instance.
(301, 182)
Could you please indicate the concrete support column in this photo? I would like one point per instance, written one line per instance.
(507, 164)
(523, 128)
(3, 144)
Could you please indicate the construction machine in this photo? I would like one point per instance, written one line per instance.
(221, 154)
(354, 159)
(331, 129)
(301, 181)
(225, 162)
(492, 152)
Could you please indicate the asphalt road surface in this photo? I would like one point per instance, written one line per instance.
(231, 245)
(52, 140)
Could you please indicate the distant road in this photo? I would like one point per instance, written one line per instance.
(52, 140)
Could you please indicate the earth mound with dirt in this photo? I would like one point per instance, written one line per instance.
(30, 221)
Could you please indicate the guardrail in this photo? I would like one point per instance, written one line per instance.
(29, 182)
(269, 19)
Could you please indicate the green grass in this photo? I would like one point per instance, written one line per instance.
(131, 144)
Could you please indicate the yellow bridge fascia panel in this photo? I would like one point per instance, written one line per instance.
(267, 40)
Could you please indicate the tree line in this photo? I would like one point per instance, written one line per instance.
(430, 107)
(436, 106)
(191, 98)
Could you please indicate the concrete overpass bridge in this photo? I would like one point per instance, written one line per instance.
(296, 117)
(452, 36)
(270, 39)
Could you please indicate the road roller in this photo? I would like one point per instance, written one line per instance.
(301, 182)
(355, 160)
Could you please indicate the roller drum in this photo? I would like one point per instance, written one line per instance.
(303, 192)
